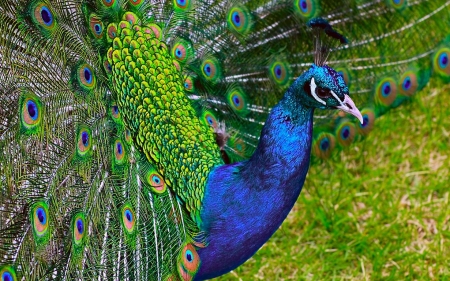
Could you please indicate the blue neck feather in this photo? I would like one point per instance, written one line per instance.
(246, 202)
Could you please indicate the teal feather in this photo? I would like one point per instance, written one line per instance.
(81, 199)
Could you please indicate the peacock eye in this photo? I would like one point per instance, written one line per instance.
(306, 88)
(323, 93)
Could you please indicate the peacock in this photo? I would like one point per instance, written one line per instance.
(168, 140)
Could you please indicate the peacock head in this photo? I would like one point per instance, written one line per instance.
(324, 88)
(321, 86)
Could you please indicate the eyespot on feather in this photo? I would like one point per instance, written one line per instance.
(31, 113)
(179, 52)
(182, 6)
(7, 273)
(79, 229)
(119, 152)
(408, 83)
(115, 112)
(345, 133)
(386, 92)
(188, 262)
(209, 119)
(237, 101)
(368, 121)
(84, 141)
(189, 84)
(210, 69)
(182, 51)
(39, 215)
(441, 63)
(239, 20)
(306, 9)
(85, 79)
(128, 218)
(279, 72)
(323, 145)
(156, 181)
(96, 26)
(43, 16)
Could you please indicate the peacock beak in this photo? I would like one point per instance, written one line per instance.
(349, 106)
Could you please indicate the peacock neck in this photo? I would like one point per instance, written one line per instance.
(246, 202)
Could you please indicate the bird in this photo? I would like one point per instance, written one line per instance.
(168, 140)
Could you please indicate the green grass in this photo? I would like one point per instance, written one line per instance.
(378, 210)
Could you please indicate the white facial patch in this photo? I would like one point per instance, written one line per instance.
(336, 97)
(313, 87)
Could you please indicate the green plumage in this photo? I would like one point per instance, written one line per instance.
(149, 90)
(113, 113)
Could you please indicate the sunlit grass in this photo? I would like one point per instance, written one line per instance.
(376, 211)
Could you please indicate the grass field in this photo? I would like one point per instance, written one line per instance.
(378, 210)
